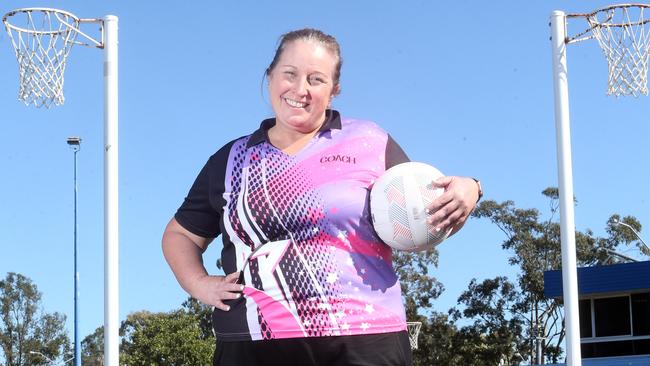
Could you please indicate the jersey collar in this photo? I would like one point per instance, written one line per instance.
(332, 121)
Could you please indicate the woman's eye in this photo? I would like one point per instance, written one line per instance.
(316, 80)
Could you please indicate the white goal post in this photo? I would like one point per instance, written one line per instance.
(623, 33)
(42, 39)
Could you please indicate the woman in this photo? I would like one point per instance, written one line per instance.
(308, 282)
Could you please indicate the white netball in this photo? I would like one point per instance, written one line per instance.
(398, 200)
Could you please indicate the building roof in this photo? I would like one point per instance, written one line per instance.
(615, 278)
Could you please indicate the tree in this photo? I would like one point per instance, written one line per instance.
(418, 286)
(182, 336)
(438, 342)
(420, 289)
(203, 315)
(495, 336)
(534, 245)
(25, 328)
(92, 348)
(164, 339)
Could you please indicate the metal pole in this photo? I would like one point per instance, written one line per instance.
(565, 178)
(75, 143)
(111, 225)
(77, 342)
(538, 339)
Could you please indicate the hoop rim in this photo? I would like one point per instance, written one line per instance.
(596, 23)
(45, 10)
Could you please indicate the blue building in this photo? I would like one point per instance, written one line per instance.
(614, 312)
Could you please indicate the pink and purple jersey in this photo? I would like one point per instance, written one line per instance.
(299, 228)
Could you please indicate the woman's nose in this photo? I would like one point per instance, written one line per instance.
(301, 87)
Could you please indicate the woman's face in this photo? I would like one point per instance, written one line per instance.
(301, 86)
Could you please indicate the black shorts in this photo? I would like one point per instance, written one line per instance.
(387, 349)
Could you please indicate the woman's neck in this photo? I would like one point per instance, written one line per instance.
(290, 142)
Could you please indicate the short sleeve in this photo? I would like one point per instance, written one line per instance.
(197, 214)
(394, 154)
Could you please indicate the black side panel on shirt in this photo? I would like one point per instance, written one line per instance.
(394, 154)
(199, 213)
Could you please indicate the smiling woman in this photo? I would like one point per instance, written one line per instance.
(303, 79)
(308, 281)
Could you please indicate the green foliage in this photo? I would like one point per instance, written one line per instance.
(179, 337)
(419, 287)
(92, 348)
(202, 314)
(496, 334)
(437, 343)
(25, 328)
(161, 339)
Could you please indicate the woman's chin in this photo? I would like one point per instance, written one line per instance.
(303, 123)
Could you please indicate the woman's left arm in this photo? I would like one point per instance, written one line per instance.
(453, 207)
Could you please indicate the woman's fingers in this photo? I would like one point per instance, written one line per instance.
(232, 278)
(221, 306)
(452, 208)
(213, 290)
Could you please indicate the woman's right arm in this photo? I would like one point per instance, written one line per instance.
(183, 251)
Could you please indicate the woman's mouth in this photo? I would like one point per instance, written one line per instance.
(295, 103)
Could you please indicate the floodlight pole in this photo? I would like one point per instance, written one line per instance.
(75, 143)
(565, 178)
(111, 232)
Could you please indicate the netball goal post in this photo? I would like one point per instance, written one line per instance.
(623, 33)
(42, 39)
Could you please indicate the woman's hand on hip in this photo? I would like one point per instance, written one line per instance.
(213, 290)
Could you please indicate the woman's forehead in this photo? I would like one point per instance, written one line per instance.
(305, 52)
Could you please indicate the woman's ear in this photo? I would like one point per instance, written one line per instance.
(336, 91)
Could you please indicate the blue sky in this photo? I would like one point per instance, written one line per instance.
(460, 85)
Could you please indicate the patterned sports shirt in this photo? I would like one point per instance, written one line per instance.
(299, 228)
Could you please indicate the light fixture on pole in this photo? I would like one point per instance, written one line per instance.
(49, 360)
(636, 233)
(75, 144)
